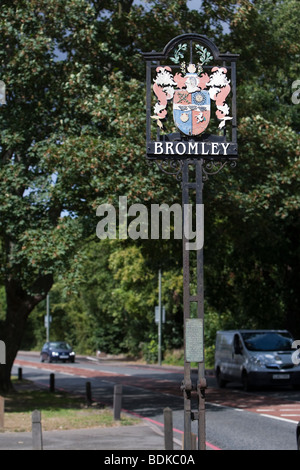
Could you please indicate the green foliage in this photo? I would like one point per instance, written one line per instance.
(73, 137)
(150, 350)
(112, 308)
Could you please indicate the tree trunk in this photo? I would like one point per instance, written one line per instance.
(19, 305)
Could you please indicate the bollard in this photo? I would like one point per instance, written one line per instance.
(20, 373)
(117, 401)
(1, 413)
(52, 382)
(194, 441)
(37, 440)
(88, 391)
(168, 428)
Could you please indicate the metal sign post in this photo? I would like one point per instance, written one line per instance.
(160, 317)
(193, 328)
(199, 141)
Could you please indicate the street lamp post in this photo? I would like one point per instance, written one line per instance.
(185, 74)
(48, 318)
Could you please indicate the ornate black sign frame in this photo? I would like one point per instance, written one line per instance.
(191, 66)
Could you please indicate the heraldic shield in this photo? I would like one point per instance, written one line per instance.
(191, 111)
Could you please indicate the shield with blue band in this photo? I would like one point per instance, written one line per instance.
(191, 111)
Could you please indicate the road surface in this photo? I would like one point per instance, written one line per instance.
(235, 420)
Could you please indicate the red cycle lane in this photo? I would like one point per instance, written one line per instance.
(160, 386)
(266, 405)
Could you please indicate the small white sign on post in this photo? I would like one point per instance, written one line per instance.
(46, 320)
(163, 315)
(194, 346)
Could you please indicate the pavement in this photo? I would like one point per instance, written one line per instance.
(143, 436)
(137, 437)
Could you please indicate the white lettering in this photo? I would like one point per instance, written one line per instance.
(141, 221)
(109, 220)
(177, 148)
(174, 459)
(296, 94)
(203, 148)
(225, 147)
(193, 148)
(139, 227)
(165, 211)
(188, 232)
(123, 217)
(169, 146)
(214, 148)
(115, 460)
(296, 354)
(158, 146)
(2, 92)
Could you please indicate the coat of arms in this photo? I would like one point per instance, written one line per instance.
(191, 91)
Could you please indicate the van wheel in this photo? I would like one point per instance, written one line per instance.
(221, 382)
(245, 381)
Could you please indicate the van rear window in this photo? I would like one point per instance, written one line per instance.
(267, 341)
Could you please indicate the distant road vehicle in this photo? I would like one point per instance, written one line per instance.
(255, 357)
(57, 351)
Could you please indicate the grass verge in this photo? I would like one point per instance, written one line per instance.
(59, 410)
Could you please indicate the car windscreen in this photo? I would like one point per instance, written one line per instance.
(59, 345)
(267, 341)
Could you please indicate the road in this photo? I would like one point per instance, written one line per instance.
(235, 420)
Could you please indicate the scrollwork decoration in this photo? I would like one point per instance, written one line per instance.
(209, 167)
(171, 167)
(212, 167)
